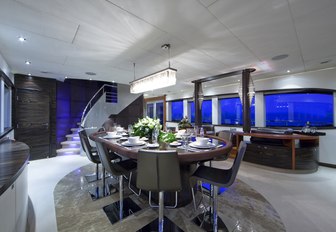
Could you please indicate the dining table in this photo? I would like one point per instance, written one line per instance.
(189, 157)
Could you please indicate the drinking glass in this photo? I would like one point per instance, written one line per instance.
(130, 129)
(155, 135)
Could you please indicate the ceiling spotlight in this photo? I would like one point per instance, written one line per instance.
(288, 71)
(280, 57)
(27, 62)
(65, 77)
(90, 79)
(21, 39)
(29, 74)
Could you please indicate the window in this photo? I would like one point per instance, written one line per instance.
(159, 111)
(232, 111)
(177, 110)
(191, 107)
(7, 107)
(206, 111)
(150, 110)
(296, 109)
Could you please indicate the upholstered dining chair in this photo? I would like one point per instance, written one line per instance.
(227, 135)
(91, 153)
(125, 206)
(158, 171)
(217, 178)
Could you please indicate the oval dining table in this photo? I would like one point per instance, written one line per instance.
(188, 156)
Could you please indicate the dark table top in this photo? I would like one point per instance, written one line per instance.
(191, 155)
(13, 158)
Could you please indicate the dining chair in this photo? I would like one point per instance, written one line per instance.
(125, 206)
(217, 178)
(227, 135)
(158, 171)
(91, 153)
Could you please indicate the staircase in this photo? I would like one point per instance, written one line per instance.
(72, 145)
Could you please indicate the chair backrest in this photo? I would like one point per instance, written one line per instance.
(227, 135)
(236, 163)
(86, 145)
(110, 167)
(158, 171)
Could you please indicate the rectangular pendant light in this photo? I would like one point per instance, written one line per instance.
(160, 79)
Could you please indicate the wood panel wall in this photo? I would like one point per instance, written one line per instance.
(131, 113)
(44, 86)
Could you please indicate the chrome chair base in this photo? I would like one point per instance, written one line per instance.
(204, 221)
(112, 211)
(102, 191)
(167, 224)
(92, 177)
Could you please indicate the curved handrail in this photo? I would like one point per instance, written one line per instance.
(89, 105)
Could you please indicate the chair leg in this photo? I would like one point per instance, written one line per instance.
(161, 207)
(215, 208)
(97, 171)
(121, 197)
(129, 186)
(199, 183)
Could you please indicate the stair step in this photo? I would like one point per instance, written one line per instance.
(68, 151)
(71, 144)
(72, 137)
(74, 130)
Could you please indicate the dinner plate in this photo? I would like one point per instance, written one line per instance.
(112, 137)
(175, 144)
(128, 144)
(206, 146)
(153, 145)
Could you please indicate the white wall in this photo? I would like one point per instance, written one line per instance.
(321, 79)
(102, 110)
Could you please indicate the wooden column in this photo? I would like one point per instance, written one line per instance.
(246, 101)
(198, 104)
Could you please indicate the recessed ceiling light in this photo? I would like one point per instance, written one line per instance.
(288, 71)
(29, 74)
(27, 62)
(90, 79)
(21, 39)
(90, 73)
(325, 62)
(280, 57)
(65, 77)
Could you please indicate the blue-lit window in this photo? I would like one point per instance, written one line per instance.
(232, 111)
(296, 109)
(150, 110)
(177, 110)
(191, 106)
(206, 111)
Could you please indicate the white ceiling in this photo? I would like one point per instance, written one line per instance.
(207, 37)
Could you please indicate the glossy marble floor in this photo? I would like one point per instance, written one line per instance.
(296, 202)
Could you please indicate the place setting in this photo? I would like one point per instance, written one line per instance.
(133, 141)
(201, 143)
(112, 135)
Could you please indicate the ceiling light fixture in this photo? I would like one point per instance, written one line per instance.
(250, 93)
(27, 62)
(157, 80)
(288, 71)
(29, 74)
